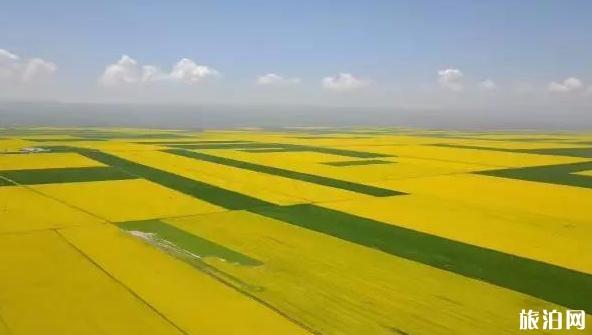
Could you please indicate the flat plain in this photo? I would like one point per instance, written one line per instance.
(292, 230)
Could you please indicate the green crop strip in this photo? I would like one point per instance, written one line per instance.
(548, 282)
(356, 163)
(5, 182)
(570, 152)
(325, 181)
(188, 242)
(246, 145)
(269, 150)
(64, 175)
(194, 142)
(63, 139)
(562, 174)
(474, 147)
(120, 135)
(286, 147)
(329, 137)
(340, 152)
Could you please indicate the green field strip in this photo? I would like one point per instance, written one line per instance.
(5, 182)
(474, 147)
(329, 137)
(109, 136)
(570, 152)
(194, 142)
(285, 147)
(268, 150)
(64, 175)
(356, 163)
(513, 139)
(63, 139)
(545, 281)
(562, 174)
(325, 181)
(246, 145)
(206, 192)
(187, 242)
(340, 152)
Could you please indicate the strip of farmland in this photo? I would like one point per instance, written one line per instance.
(64, 175)
(195, 245)
(285, 147)
(356, 163)
(562, 174)
(325, 181)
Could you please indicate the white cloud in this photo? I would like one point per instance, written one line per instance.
(488, 85)
(9, 64)
(125, 71)
(343, 82)
(188, 72)
(274, 79)
(128, 71)
(451, 79)
(38, 68)
(568, 85)
(151, 73)
(14, 69)
(6, 56)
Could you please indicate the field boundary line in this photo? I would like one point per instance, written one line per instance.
(127, 288)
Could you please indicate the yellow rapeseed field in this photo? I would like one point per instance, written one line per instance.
(23, 209)
(45, 161)
(126, 200)
(374, 231)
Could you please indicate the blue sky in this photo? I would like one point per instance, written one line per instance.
(392, 50)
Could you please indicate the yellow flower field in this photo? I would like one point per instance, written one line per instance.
(292, 231)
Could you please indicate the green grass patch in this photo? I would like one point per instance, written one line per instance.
(64, 175)
(285, 147)
(5, 182)
(562, 174)
(329, 137)
(187, 242)
(64, 139)
(270, 150)
(194, 142)
(570, 152)
(356, 163)
(325, 181)
(238, 145)
(548, 282)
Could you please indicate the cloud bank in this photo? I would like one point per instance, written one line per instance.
(451, 79)
(568, 85)
(488, 85)
(13, 69)
(128, 71)
(272, 79)
(343, 82)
